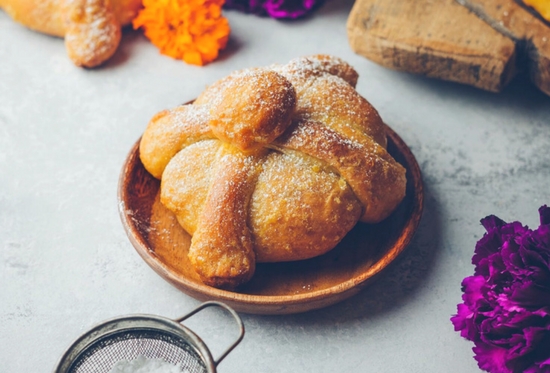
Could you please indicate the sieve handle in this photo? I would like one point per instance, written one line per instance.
(232, 312)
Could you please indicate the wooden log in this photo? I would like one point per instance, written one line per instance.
(436, 38)
(531, 34)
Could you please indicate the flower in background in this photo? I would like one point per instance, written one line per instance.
(506, 303)
(191, 30)
(542, 7)
(275, 8)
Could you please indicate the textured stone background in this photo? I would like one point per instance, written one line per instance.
(66, 263)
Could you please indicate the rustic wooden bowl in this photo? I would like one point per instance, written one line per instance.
(276, 288)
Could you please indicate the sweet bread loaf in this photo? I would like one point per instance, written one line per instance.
(91, 28)
(272, 164)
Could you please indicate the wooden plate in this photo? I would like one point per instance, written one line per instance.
(276, 288)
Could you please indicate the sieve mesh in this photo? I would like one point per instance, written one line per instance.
(102, 355)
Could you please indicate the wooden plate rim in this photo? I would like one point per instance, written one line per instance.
(338, 292)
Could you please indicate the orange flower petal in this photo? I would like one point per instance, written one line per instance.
(191, 30)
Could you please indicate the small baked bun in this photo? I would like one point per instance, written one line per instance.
(257, 121)
(91, 28)
(272, 164)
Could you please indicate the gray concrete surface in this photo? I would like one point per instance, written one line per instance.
(66, 263)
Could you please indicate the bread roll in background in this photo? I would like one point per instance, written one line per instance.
(91, 28)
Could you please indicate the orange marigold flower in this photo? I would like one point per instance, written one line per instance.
(191, 30)
(542, 7)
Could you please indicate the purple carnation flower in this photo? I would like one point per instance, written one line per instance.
(506, 303)
(275, 8)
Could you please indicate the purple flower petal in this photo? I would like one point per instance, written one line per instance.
(544, 213)
(531, 296)
(506, 304)
(491, 359)
(463, 321)
(289, 8)
(490, 243)
(275, 8)
(471, 286)
(492, 222)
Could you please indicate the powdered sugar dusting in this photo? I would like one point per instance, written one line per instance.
(186, 180)
(255, 107)
(280, 195)
(295, 197)
(276, 178)
(315, 66)
(144, 365)
(93, 32)
(189, 116)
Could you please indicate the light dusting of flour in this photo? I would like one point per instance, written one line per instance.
(145, 365)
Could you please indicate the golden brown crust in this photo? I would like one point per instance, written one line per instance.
(126, 10)
(92, 28)
(300, 208)
(332, 102)
(376, 178)
(44, 16)
(288, 196)
(221, 248)
(253, 123)
(211, 94)
(93, 32)
(185, 184)
(326, 93)
(315, 66)
(170, 131)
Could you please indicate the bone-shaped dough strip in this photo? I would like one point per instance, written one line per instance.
(221, 248)
(170, 131)
(375, 177)
(325, 93)
(91, 27)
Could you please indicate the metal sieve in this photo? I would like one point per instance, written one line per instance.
(154, 337)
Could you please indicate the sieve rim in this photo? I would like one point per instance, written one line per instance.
(132, 322)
